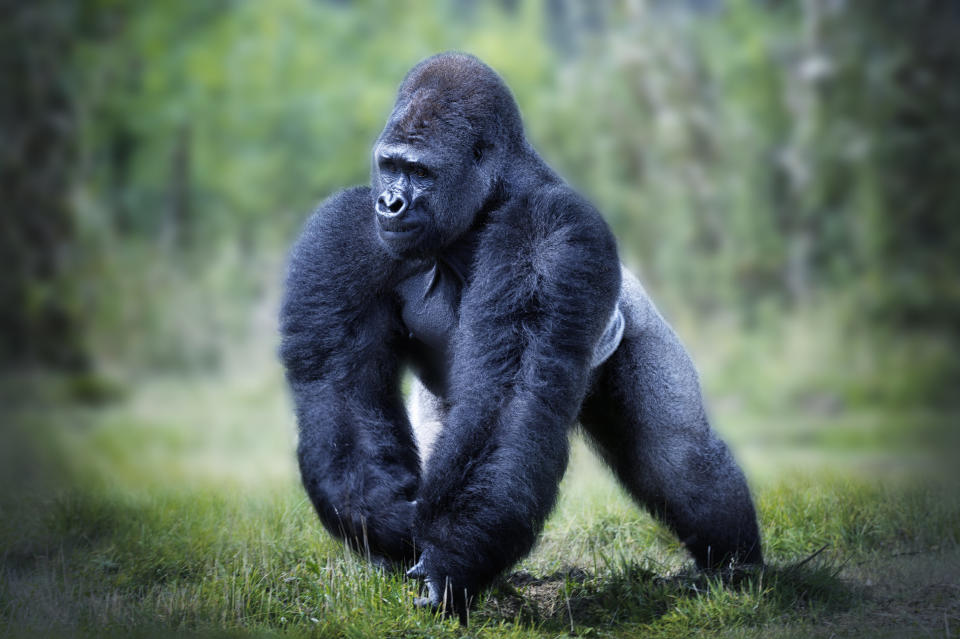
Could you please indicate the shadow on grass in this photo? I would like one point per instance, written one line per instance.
(573, 600)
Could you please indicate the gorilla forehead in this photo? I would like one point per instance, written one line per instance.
(457, 94)
(426, 119)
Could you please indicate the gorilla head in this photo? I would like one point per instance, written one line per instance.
(442, 153)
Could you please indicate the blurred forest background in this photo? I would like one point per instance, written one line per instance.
(759, 161)
(784, 177)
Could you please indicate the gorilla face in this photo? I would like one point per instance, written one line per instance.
(427, 195)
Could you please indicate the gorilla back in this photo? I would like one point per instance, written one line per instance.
(472, 263)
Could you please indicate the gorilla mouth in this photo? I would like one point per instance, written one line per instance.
(399, 234)
(398, 226)
(400, 240)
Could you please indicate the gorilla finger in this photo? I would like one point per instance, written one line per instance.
(418, 571)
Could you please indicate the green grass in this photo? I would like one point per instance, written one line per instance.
(158, 510)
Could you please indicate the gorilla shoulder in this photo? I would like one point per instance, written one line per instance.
(559, 207)
(567, 238)
(338, 245)
(337, 279)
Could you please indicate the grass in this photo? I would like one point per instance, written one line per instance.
(174, 508)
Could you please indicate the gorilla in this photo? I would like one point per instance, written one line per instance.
(471, 264)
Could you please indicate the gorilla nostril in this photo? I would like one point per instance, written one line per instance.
(390, 204)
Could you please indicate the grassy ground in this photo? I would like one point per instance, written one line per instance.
(173, 506)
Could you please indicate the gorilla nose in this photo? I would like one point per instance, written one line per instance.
(391, 204)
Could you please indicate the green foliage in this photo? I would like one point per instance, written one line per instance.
(275, 103)
(750, 159)
(742, 156)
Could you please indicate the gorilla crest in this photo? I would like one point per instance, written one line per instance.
(459, 92)
(472, 264)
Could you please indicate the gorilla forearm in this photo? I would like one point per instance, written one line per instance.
(357, 457)
(515, 390)
(494, 488)
(359, 467)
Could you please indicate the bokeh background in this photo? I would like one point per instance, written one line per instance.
(784, 177)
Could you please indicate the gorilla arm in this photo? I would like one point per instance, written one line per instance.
(546, 279)
(357, 456)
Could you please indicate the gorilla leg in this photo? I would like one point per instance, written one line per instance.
(645, 415)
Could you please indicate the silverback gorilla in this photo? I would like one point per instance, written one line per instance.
(470, 262)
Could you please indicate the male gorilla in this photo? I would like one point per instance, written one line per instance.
(472, 263)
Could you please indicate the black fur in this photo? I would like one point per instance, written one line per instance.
(473, 263)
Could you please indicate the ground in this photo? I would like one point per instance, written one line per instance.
(171, 505)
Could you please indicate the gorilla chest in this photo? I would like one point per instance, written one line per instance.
(430, 306)
(430, 303)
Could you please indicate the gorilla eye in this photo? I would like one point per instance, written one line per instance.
(420, 171)
(478, 152)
